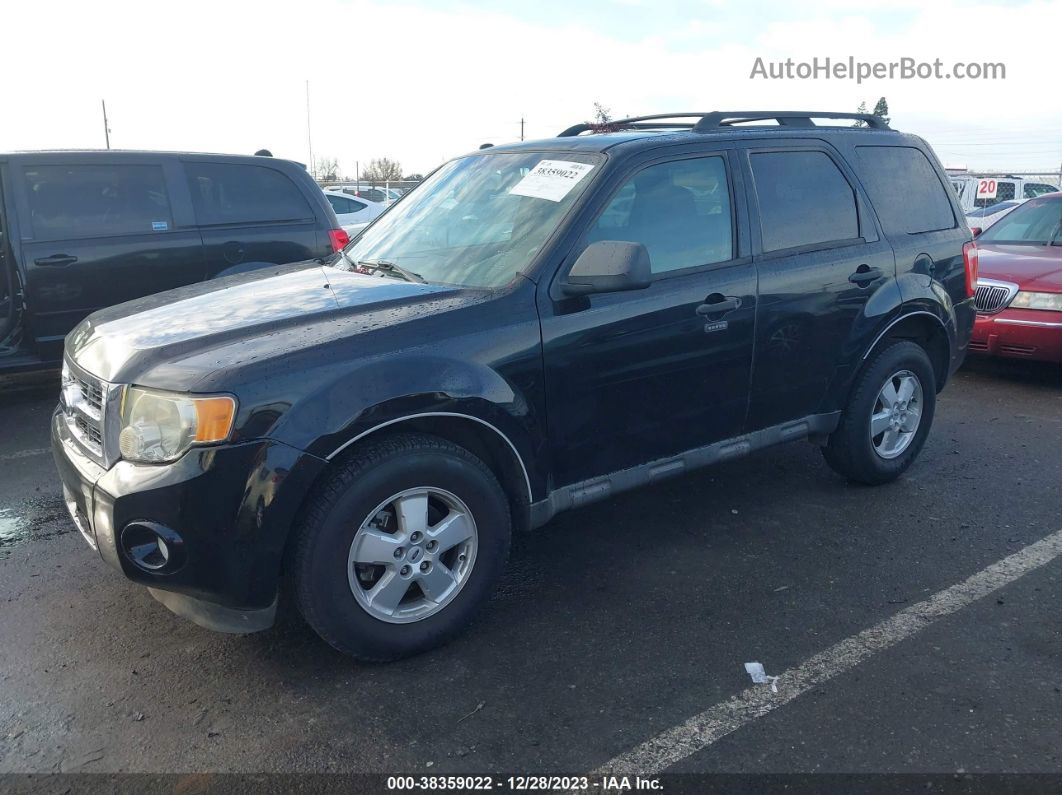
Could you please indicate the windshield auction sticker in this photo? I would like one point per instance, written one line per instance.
(551, 179)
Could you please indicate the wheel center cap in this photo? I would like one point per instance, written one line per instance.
(415, 554)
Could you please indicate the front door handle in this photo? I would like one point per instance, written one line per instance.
(55, 261)
(864, 275)
(717, 304)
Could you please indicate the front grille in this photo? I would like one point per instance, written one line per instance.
(993, 296)
(86, 401)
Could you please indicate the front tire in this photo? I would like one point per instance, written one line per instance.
(399, 547)
(888, 416)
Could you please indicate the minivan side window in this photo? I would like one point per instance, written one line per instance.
(804, 200)
(905, 190)
(680, 211)
(68, 202)
(230, 193)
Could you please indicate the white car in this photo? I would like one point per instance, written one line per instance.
(984, 217)
(352, 211)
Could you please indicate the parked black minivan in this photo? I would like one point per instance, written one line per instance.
(80, 231)
(533, 328)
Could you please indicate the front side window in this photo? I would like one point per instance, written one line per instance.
(1034, 189)
(478, 220)
(680, 211)
(85, 201)
(230, 193)
(804, 200)
(1038, 222)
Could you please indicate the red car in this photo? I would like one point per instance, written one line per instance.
(1019, 286)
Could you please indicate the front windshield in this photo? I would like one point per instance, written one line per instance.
(1037, 222)
(477, 221)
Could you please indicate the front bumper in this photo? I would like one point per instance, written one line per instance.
(231, 505)
(1019, 334)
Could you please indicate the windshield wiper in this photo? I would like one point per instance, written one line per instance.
(384, 266)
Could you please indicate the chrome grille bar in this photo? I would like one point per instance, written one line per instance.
(87, 404)
(993, 296)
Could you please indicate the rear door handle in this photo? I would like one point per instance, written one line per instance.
(864, 275)
(54, 261)
(724, 304)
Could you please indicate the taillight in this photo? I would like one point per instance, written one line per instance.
(969, 264)
(339, 238)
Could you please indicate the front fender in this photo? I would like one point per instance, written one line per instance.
(381, 392)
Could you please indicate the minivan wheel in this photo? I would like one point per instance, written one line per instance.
(888, 416)
(398, 548)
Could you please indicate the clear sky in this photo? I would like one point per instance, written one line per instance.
(421, 81)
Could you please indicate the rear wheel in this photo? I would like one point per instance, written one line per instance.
(888, 416)
(400, 546)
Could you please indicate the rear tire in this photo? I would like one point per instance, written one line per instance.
(888, 416)
(399, 547)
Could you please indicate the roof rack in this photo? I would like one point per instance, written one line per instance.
(709, 122)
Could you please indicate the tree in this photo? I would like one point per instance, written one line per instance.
(382, 169)
(861, 109)
(602, 115)
(418, 177)
(881, 110)
(327, 168)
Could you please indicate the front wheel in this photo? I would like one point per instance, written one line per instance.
(888, 416)
(399, 547)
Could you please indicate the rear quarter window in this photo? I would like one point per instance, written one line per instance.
(905, 190)
(231, 193)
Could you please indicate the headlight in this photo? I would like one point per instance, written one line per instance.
(161, 426)
(1049, 301)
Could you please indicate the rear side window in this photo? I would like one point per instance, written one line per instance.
(229, 193)
(905, 189)
(804, 200)
(343, 205)
(680, 211)
(86, 201)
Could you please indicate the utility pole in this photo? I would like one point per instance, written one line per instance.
(521, 128)
(106, 129)
(309, 137)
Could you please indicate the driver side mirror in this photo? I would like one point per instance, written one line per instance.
(609, 266)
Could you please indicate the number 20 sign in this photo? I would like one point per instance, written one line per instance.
(986, 189)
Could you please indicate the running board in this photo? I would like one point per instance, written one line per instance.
(605, 486)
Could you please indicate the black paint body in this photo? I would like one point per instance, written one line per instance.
(571, 398)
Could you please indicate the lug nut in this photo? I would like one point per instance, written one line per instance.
(404, 571)
(415, 537)
(399, 553)
(424, 566)
(432, 545)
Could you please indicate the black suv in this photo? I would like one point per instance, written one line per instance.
(533, 328)
(80, 231)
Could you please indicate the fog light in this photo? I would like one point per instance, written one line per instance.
(153, 547)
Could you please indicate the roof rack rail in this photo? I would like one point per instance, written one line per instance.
(708, 122)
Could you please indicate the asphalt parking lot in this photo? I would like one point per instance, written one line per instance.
(616, 624)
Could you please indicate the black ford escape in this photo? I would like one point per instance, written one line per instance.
(80, 231)
(534, 327)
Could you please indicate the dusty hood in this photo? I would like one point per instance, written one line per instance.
(230, 312)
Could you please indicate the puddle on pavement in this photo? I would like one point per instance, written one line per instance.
(33, 520)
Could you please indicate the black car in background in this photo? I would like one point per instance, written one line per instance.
(533, 328)
(80, 231)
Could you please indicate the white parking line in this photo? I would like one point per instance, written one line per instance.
(700, 731)
(24, 453)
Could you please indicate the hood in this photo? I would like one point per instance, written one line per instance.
(1030, 267)
(118, 343)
